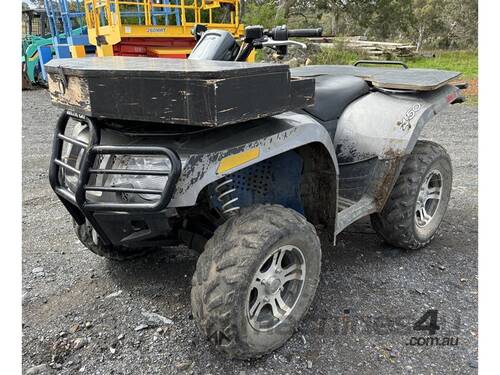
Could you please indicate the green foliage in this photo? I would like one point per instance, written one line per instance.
(263, 13)
(460, 18)
(426, 23)
(336, 55)
(465, 62)
(387, 18)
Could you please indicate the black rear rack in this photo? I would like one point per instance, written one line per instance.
(76, 203)
(380, 62)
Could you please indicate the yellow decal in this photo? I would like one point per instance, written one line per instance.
(156, 30)
(233, 161)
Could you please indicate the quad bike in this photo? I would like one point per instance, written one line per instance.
(249, 196)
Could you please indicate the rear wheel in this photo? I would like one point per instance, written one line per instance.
(419, 200)
(255, 280)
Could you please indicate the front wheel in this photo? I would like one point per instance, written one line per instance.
(255, 280)
(419, 199)
(88, 237)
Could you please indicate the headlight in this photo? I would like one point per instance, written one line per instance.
(73, 155)
(142, 163)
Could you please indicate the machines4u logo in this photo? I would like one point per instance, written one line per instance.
(429, 322)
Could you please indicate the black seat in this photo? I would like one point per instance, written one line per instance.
(334, 93)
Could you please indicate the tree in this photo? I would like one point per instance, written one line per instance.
(284, 8)
(461, 26)
(337, 8)
(390, 18)
(427, 18)
(428, 23)
(262, 13)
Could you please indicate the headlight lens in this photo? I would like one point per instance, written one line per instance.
(143, 163)
(73, 155)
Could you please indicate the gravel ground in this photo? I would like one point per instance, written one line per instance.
(83, 314)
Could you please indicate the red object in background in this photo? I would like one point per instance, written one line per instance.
(154, 47)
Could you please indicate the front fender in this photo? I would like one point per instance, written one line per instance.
(201, 155)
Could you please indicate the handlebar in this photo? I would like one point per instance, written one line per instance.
(277, 38)
(305, 33)
(283, 33)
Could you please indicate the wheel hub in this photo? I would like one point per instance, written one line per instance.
(272, 284)
(428, 198)
(276, 288)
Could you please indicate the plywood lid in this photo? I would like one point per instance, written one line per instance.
(388, 78)
(121, 66)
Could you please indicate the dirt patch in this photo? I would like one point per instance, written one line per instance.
(472, 90)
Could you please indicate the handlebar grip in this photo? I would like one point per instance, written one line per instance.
(305, 33)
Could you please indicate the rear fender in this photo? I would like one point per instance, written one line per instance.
(387, 125)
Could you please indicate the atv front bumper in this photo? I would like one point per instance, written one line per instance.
(117, 223)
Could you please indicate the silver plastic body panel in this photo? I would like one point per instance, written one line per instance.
(273, 136)
(387, 125)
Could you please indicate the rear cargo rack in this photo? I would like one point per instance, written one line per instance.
(380, 62)
(76, 203)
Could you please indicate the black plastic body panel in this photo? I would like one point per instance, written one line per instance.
(354, 178)
(138, 229)
(218, 45)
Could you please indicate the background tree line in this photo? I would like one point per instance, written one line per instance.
(449, 24)
(444, 24)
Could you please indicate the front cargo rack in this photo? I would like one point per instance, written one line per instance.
(175, 91)
(76, 202)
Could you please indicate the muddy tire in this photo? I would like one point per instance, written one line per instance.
(244, 275)
(419, 199)
(117, 253)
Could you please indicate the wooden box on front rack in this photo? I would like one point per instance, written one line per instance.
(175, 91)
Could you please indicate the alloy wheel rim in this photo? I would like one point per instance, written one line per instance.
(276, 288)
(429, 198)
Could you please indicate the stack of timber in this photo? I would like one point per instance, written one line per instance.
(370, 48)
